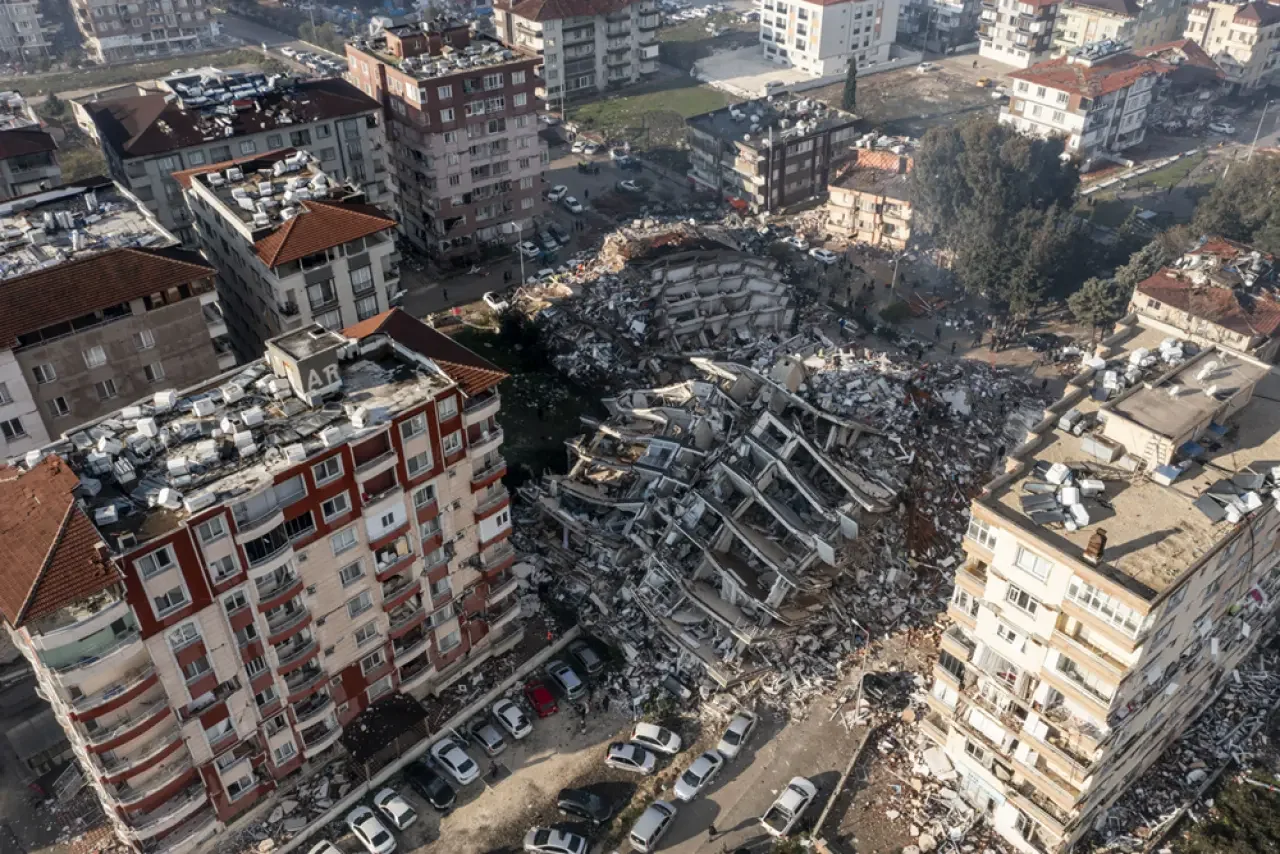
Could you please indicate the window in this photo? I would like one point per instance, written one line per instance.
(442, 616)
(446, 115)
(424, 496)
(1009, 636)
(366, 633)
(377, 689)
(453, 443)
(441, 588)
(156, 562)
(5, 397)
(211, 531)
(1033, 564)
(255, 666)
(327, 470)
(418, 463)
(12, 429)
(1161, 634)
(1212, 589)
(350, 574)
(171, 601)
(450, 641)
(274, 140)
(444, 93)
(321, 294)
(265, 697)
(1021, 600)
(951, 664)
(366, 307)
(493, 81)
(235, 602)
(362, 279)
(196, 669)
(248, 146)
(343, 540)
(336, 506)
(447, 408)
(980, 532)
(1176, 599)
(284, 753)
(154, 372)
(520, 99)
(359, 604)
(144, 340)
(44, 374)
(517, 77)
(1104, 607)
(966, 603)
(372, 661)
(219, 731)
(184, 634)
(413, 426)
(106, 389)
(978, 753)
(299, 526)
(59, 407)
(94, 357)
(247, 635)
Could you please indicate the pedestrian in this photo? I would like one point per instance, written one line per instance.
(975, 63)
(937, 332)
(445, 293)
(1044, 384)
(712, 833)
(586, 194)
(953, 348)
(506, 277)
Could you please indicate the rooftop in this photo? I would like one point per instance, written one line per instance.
(1156, 521)
(554, 10)
(15, 113)
(766, 121)
(883, 173)
(1226, 283)
(482, 52)
(1092, 70)
(158, 123)
(157, 461)
(1190, 62)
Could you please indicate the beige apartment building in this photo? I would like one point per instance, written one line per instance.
(1114, 576)
(1017, 32)
(1240, 37)
(151, 29)
(1138, 25)
(24, 36)
(214, 613)
(97, 305)
(292, 247)
(870, 201)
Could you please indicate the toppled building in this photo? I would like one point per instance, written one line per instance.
(1115, 575)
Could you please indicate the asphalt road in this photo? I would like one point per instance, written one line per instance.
(253, 33)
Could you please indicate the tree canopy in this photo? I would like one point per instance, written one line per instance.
(1244, 205)
(849, 100)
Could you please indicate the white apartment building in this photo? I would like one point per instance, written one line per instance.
(1115, 575)
(292, 247)
(117, 32)
(1138, 24)
(1242, 38)
(148, 137)
(587, 46)
(820, 38)
(1016, 32)
(218, 612)
(23, 35)
(1097, 98)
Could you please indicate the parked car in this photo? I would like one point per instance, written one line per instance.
(577, 146)
(556, 193)
(823, 256)
(559, 232)
(529, 250)
(371, 832)
(540, 698)
(496, 303)
(628, 187)
(736, 734)
(651, 825)
(588, 806)
(656, 738)
(782, 817)
(795, 241)
(572, 205)
(395, 808)
(587, 657)
(549, 244)
(773, 86)
(566, 680)
(629, 164)
(926, 67)
(426, 781)
(512, 719)
(288, 51)
(325, 847)
(618, 153)
(453, 759)
(487, 736)
(590, 148)
(1222, 127)
(630, 757)
(698, 775)
(544, 840)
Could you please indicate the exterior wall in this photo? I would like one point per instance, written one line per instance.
(1246, 51)
(19, 403)
(821, 39)
(1156, 23)
(1088, 126)
(1203, 331)
(182, 346)
(869, 218)
(113, 32)
(342, 156)
(29, 173)
(1016, 33)
(22, 34)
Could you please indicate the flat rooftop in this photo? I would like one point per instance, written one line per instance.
(881, 182)
(55, 226)
(14, 112)
(483, 52)
(770, 120)
(267, 191)
(1154, 532)
(1182, 398)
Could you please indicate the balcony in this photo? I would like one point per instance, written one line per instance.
(956, 642)
(491, 472)
(113, 649)
(579, 35)
(1045, 812)
(161, 776)
(255, 527)
(318, 737)
(1096, 657)
(187, 835)
(393, 558)
(300, 682)
(269, 553)
(972, 577)
(279, 591)
(115, 767)
(292, 654)
(76, 622)
(490, 501)
(127, 688)
(1058, 791)
(497, 558)
(1055, 746)
(311, 709)
(484, 441)
(129, 727)
(415, 673)
(405, 617)
(502, 615)
(410, 646)
(376, 465)
(1073, 685)
(480, 408)
(935, 728)
(648, 22)
(504, 589)
(282, 625)
(397, 590)
(144, 826)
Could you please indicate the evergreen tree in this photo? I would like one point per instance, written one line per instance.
(850, 99)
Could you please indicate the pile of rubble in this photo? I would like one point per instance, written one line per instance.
(294, 809)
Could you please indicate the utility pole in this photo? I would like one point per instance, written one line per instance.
(1258, 132)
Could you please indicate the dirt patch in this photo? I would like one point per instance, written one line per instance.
(908, 102)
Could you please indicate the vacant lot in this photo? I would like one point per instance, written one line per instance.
(905, 101)
(685, 43)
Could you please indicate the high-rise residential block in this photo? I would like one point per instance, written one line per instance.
(154, 29)
(820, 37)
(1138, 25)
(1017, 32)
(1240, 37)
(24, 35)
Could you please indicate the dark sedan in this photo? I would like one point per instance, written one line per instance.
(585, 805)
(433, 788)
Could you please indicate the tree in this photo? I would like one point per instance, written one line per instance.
(1244, 205)
(54, 106)
(1098, 303)
(850, 98)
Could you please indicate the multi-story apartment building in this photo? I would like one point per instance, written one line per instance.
(1240, 38)
(1115, 574)
(767, 154)
(226, 600)
(1096, 98)
(1017, 32)
(28, 154)
(821, 37)
(937, 25)
(870, 200)
(462, 133)
(1220, 293)
(97, 304)
(1139, 25)
(586, 47)
(23, 33)
(118, 32)
(292, 248)
(191, 122)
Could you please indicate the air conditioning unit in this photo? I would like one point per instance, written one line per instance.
(302, 557)
(311, 590)
(319, 621)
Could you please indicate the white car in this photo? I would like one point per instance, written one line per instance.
(823, 256)
(325, 847)
(785, 813)
(630, 757)
(795, 241)
(513, 720)
(703, 770)
(590, 148)
(395, 808)
(773, 85)
(289, 52)
(577, 147)
(373, 835)
(530, 250)
(656, 738)
(544, 840)
(629, 187)
(1222, 127)
(556, 193)
(926, 67)
(452, 758)
(572, 205)
(736, 734)
(496, 303)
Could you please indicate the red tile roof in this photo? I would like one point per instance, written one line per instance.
(28, 140)
(470, 371)
(69, 290)
(1242, 313)
(1258, 12)
(1186, 57)
(320, 225)
(48, 554)
(1091, 81)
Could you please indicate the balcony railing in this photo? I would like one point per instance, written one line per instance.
(405, 614)
(124, 685)
(295, 652)
(414, 669)
(128, 795)
(304, 677)
(314, 705)
(411, 645)
(146, 825)
(164, 738)
(148, 713)
(288, 621)
(107, 651)
(496, 555)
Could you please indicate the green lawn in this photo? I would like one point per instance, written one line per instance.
(1106, 208)
(100, 78)
(1172, 175)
